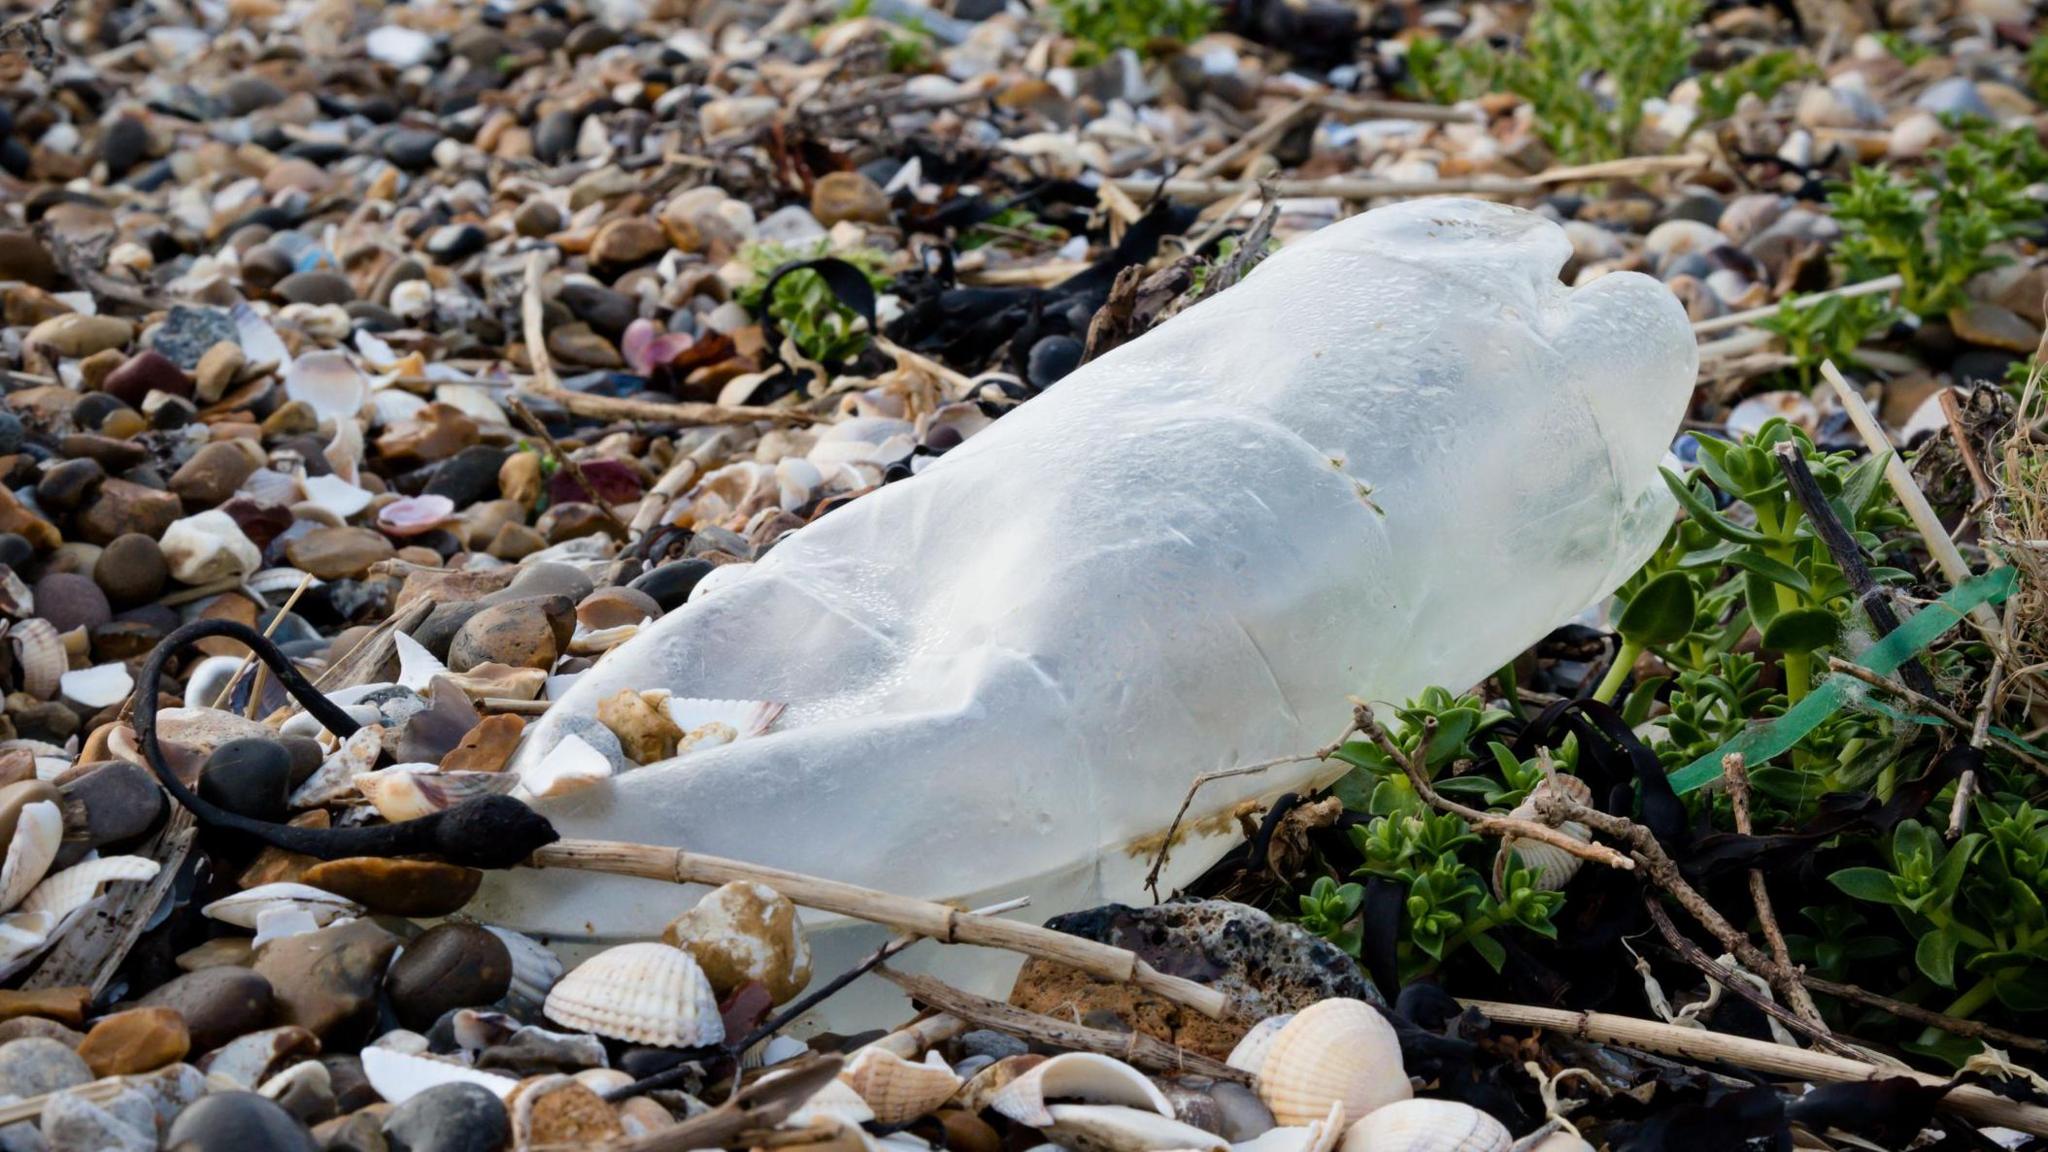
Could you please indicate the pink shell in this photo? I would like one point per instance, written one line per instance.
(415, 514)
(646, 347)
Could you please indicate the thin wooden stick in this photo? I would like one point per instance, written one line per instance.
(525, 416)
(532, 316)
(683, 413)
(1696, 956)
(1735, 770)
(1362, 188)
(941, 922)
(1974, 1029)
(1977, 1104)
(1346, 104)
(1750, 316)
(1135, 1048)
(220, 698)
(1258, 137)
(1928, 704)
(1915, 501)
(914, 1038)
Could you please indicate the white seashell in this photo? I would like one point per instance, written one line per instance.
(310, 1075)
(284, 920)
(336, 776)
(772, 1051)
(835, 1102)
(572, 766)
(336, 495)
(898, 1090)
(473, 401)
(602, 1080)
(63, 893)
(745, 718)
(207, 547)
(37, 835)
(1115, 1128)
(535, 967)
(260, 342)
(210, 677)
(417, 667)
(1750, 414)
(597, 641)
(100, 686)
(1250, 1053)
(394, 406)
(1320, 1136)
(407, 792)
(1560, 1141)
(16, 600)
(1427, 1126)
(398, 1076)
(1333, 1050)
(287, 580)
(244, 907)
(330, 383)
(23, 937)
(1083, 1076)
(645, 993)
(39, 653)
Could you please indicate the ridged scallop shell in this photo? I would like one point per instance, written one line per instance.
(1561, 1141)
(645, 993)
(37, 836)
(16, 600)
(399, 1076)
(63, 893)
(1427, 1126)
(1554, 867)
(1333, 1050)
(1250, 1053)
(1080, 1076)
(39, 654)
(401, 793)
(23, 937)
(243, 908)
(746, 718)
(535, 967)
(898, 1090)
(1115, 1128)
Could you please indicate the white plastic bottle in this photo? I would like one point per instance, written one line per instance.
(1394, 456)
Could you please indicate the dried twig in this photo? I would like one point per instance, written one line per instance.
(1805, 300)
(1974, 1029)
(1355, 188)
(1135, 1048)
(1735, 770)
(305, 582)
(1967, 1100)
(1931, 706)
(1173, 828)
(1257, 139)
(1696, 956)
(526, 417)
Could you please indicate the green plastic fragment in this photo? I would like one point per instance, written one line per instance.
(1760, 743)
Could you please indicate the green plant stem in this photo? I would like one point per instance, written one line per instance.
(1624, 659)
(1978, 995)
(1798, 665)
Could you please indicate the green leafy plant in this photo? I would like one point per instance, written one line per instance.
(1329, 910)
(1448, 905)
(1102, 27)
(1903, 50)
(1379, 785)
(822, 327)
(1938, 228)
(2037, 67)
(1764, 74)
(1831, 328)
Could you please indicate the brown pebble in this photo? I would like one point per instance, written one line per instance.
(551, 1110)
(64, 1005)
(412, 888)
(138, 1040)
(488, 746)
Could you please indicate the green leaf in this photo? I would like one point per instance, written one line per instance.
(1490, 950)
(1936, 958)
(1704, 514)
(1641, 699)
(1873, 884)
(1754, 561)
(1661, 612)
(1801, 630)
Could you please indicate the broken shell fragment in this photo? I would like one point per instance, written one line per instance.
(37, 835)
(709, 723)
(1321, 1136)
(328, 382)
(243, 908)
(1427, 1126)
(645, 993)
(1116, 1128)
(572, 766)
(407, 792)
(1333, 1050)
(1077, 1076)
(899, 1090)
(63, 893)
(399, 1076)
(101, 686)
(535, 967)
(39, 653)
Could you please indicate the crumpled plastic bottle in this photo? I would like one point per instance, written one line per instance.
(1394, 456)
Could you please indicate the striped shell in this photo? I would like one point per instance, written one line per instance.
(33, 848)
(535, 967)
(1080, 1076)
(1333, 1050)
(23, 936)
(16, 601)
(63, 893)
(1554, 867)
(898, 1090)
(39, 656)
(1250, 1053)
(406, 793)
(645, 993)
(1427, 1126)
(244, 908)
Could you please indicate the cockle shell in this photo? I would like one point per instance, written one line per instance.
(407, 792)
(898, 1090)
(1320, 1136)
(399, 1076)
(645, 993)
(1115, 1128)
(37, 835)
(243, 908)
(1554, 867)
(1250, 1053)
(39, 654)
(100, 686)
(16, 600)
(1079, 1076)
(63, 893)
(1427, 1126)
(535, 967)
(1333, 1050)
(737, 720)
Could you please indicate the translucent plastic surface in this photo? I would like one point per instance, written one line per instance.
(1394, 456)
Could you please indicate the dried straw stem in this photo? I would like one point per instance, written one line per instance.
(1931, 706)
(941, 922)
(1967, 1100)
(1735, 770)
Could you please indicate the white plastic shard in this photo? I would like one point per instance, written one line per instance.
(1394, 456)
